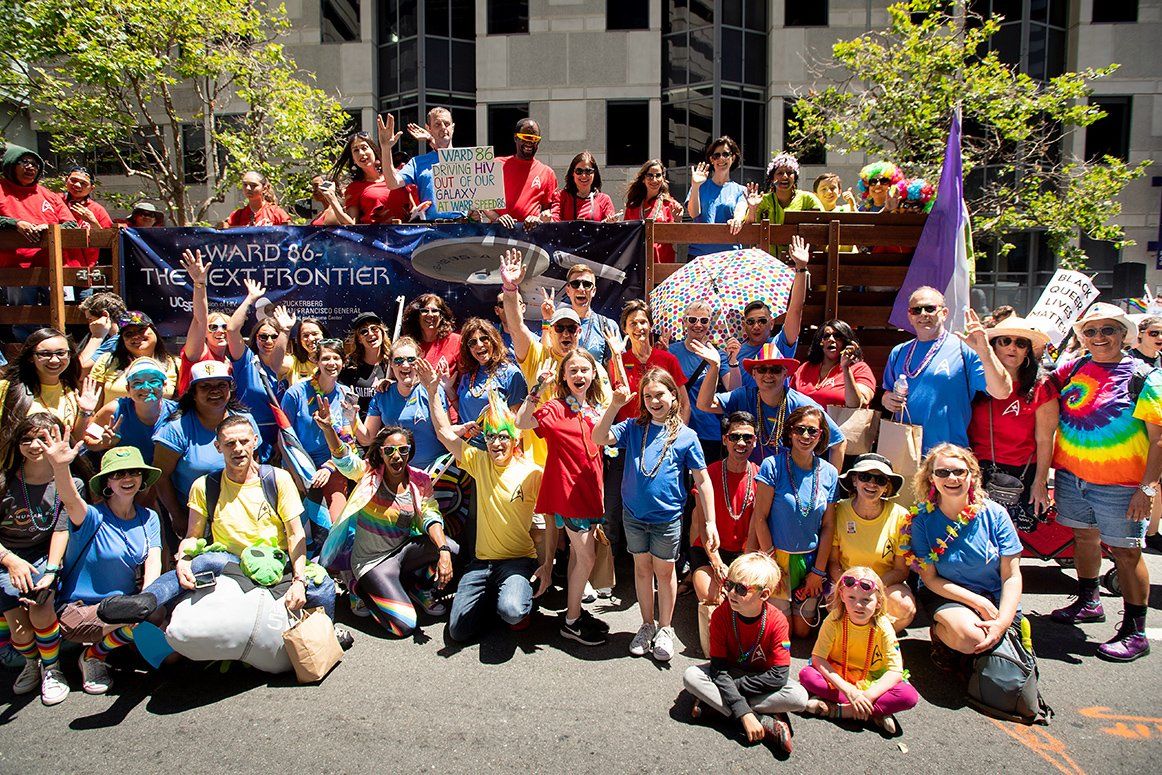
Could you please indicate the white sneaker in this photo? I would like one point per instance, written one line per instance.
(605, 593)
(95, 677)
(28, 679)
(589, 595)
(641, 642)
(53, 686)
(664, 644)
(358, 607)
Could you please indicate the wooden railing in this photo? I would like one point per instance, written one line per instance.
(56, 276)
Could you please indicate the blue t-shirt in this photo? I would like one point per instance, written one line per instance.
(106, 347)
(706, 425)
(791, 532)
(786, 350)
(418, 172)
(973, 559)
(746, 398)
(718, 203)
(300, 404)
(250, 391)
(109, 566)
(411, 412)
(194, 443)
(658, 498)
(473, 393)
(593, 329)
(135, 433)
(940, 396)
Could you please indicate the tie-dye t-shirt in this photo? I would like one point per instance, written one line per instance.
(1102, 436)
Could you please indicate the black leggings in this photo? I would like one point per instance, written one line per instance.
(382, 587)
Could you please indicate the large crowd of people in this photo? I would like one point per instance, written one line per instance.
(721, 468)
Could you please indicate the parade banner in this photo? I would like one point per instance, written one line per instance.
(468, 179)
(1068, 294)
(333, 273)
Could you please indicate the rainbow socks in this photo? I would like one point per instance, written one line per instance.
(122, 636)
(48, 643)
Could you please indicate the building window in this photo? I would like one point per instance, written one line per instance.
(508, 17)
(806, 151)
(339, 20)
(1110, 136)
(502, 125)
(805, 14)
(627, 132)
(627, 15)
(1033, 34)
(1107, 11)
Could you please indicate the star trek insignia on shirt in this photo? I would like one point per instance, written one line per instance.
(46, 206)
(1013, 409)
(518, 495)
(944, 368)
(758, 655)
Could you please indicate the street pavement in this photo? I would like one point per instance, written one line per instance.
(533, 702)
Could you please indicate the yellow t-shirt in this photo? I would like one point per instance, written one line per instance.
(299, 371)
(56, 400)
(114, 380)
(885, 652)
(243, 516)
(505, 498)
(868, 542)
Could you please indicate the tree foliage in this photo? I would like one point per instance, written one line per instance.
(122, 78)
(893, 94)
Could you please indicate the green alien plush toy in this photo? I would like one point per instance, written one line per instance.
(264, 562)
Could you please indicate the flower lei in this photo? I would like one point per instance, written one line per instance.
(941, 546)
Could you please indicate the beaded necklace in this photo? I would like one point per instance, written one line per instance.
(584, 412)
(35, 514)
(744, 656)
(748, 490)
(641, 463)
(804, 512)
(780, 417)
(927, 358)
(867, 657)
(917, 564)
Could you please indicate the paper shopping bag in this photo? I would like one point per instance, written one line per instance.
(602, 576)
(860, 427)
(312, 646)
(902, 444)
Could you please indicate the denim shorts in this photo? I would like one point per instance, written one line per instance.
(660, 539)
(9, 595)
(1088, 506)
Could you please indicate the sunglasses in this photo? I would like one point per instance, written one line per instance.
(740, 438)
(830, 335)
(48, 355)
(737, 587)
(757, 321)
(403, 449)
(367, 331)
(431, 311)
(565, 328)
(697, 321)
(879, 181)
(950, 473)
(924, 309)
(721, 155)
(655, 175)
(880, 479)
(29, 441)
(216, 327)
(867, 585)
(125, 474)
(583, 171)
(1090, 333)
(776, 370)
(267, 337)
(1155, 332)
(806, 431)
(491, 437)
(528, 138)
(1021, 342)
(400, 360)
(146, 384)
(581, 284)
(478, 340)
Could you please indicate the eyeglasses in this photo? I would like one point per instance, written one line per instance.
(740, 438)
(146, 384)
(29, 441)
(879, 181)
(1090, 333)
(28, 161)
(880, 479)
(924, 309)
(403, 449)
(216, 327)
(806, 431)
(565, 328)
(1021, 342)
(267, 337)
(697, 321)
(125, 474)
(400, 360)
(757, 321)
(48, 355)
(655, 175)
(491, 437)
(950, 473)
(867, 585)
(581, 284)
(721, 155)
(737, 587)
(583, 171)
(528, 138)
(776, 370)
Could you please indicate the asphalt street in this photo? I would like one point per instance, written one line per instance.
(533, 702)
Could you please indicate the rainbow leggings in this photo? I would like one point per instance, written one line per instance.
(382, 586)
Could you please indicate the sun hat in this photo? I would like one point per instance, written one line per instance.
(1018, 326)
(769, 355)
(871, 463)
(123, 459)
(1103, 311)
(205, 370)
(142, 366)
(146, 207)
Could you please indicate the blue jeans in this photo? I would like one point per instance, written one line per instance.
(1102, 507)
(504, 581)
(167, 588)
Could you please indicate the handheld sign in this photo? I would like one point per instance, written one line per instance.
(1065, 298)
(468, 179)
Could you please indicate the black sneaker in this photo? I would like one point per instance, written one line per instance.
(583, 631)
(594, 621)
(1154, 542)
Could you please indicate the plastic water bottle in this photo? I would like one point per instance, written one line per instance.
(900, 387)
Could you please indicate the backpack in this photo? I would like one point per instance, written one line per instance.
(214, 492)
(1142, 371)
(1004, 683)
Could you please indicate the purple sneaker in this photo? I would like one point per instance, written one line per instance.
(1080, 611)
(1129, 644)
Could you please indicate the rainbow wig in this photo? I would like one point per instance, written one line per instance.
(879, 169)
(783, 159)
(916, 194)
(498, 418)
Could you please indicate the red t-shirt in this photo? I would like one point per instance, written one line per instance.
(529, 187)
(268, 215)
(185, 364)
(595, 207)
(731, 532)
(35, 204)
(572, 483)
(1014, 426)
(659, 358)
(661, 211)
(88, 256)
(447, 348)
(830, 391)
(773, 645)
(378, 203)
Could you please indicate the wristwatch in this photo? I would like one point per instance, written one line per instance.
(1148, 490)
(445, 548)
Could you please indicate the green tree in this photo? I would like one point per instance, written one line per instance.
(894, 91)
(182, 93)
